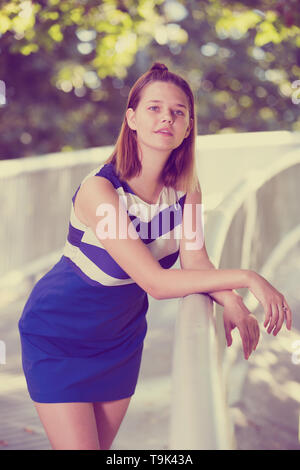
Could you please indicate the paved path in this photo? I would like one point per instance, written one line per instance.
(265, 414)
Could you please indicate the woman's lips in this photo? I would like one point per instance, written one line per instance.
(166, 134)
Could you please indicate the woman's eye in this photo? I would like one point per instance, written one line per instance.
(177, 111)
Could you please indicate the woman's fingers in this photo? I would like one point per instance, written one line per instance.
(249, 337)
(288, 315)
(228, 333)
(245, 339)
(280, 320)
(268, 315)
(275, 316)
(255, 334)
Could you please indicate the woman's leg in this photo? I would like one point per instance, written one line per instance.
(69, 426)
(109, 416)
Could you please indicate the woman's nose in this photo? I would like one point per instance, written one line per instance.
(167, 116)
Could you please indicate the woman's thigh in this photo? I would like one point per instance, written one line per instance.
(109, 416)
(69, 426)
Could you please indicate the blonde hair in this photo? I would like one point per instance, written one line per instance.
(180, 169)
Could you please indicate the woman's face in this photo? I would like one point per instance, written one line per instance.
(161, 105)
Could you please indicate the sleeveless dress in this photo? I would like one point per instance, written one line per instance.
(83, 326)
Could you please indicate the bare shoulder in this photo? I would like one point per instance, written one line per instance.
(100, 207)
(96, 184)
(91, 193)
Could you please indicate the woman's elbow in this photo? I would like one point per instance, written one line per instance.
(154, 288)
(155, 292)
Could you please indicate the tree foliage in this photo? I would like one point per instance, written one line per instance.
(66, 66)
(274, 21)
(112, 31)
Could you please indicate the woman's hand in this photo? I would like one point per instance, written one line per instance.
(274, 304)
(236, 314)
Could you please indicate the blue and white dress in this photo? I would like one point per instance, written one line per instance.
(83, 326)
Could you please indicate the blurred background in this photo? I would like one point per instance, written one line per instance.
(66, 68)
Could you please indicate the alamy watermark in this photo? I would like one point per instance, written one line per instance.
(148, 223)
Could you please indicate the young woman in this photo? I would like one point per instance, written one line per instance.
(83, 326)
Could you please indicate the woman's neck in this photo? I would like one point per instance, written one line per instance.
(148, 184)
(146, 188)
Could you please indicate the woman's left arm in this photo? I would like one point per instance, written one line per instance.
(221, 297)
(193, 254)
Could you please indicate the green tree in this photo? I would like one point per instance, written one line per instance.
(66, 66)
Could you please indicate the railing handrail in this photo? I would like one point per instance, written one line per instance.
(18, 166)
(220, 218)
(199, 412)
(15, 166)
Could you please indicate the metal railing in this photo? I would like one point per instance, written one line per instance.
(200, 417)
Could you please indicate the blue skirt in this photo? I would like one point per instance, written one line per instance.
(81, 342)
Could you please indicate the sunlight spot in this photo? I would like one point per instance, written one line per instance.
(2, 93)
(26, 10)
(209, 49)
(11, 383)
(174, 11)
(278, 392)
(85, 48)
(25, 138)
(292, 389)
(259, 374)
(161, 35)
(258, 53)
(126, 42)
(238, 417)
(66, 86)
(86, 35)
(265, 359)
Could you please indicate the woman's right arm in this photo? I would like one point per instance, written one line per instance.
(135, 258)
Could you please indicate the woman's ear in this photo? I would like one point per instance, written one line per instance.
(130, 116)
